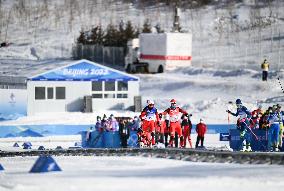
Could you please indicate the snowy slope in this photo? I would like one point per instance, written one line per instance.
(226, 52)
(206, 92)
(224, 34)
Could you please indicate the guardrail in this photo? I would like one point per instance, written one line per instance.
(177, 154)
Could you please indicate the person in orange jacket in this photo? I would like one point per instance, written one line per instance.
(201, 129)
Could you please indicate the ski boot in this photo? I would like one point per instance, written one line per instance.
(181, 142)
(248, 149)
(243, 149)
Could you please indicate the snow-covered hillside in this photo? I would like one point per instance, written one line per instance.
(225, 33)
(229, 42)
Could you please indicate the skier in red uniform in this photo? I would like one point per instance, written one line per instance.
(175, 127)
(160, 129)
(150, 119)
(186, 126)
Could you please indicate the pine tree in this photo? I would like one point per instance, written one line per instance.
(121, 31)
(147, 28)
(129, 31)
(111, 36)
(100, 35)
(96, 36)
(82, 38)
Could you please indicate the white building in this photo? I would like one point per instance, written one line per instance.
(63, 89)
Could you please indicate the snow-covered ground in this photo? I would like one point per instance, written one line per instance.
(49, 142)
(203, 92)
(136, 173)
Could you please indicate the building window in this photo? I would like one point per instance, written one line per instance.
(97, 95)
(109, 95)
(122, 95)
(97, 86)
(39, 92)
(60, 93)
(49, 93)
(109, 86)
(122, 86)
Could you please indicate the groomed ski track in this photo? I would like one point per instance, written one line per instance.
(171, 153)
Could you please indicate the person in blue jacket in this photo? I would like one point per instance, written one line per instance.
(243, 124)
(274, 120)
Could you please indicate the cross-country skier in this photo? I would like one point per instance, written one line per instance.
(160, 129)
(186, 129)
(281, 116)
(274, 129)
(243, 124)
(150, 118)
(174, 113)
(167, 129)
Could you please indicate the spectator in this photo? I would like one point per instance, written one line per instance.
(201, 129)
(264, 67)
(256, 115)
(124, 132)
(98, 126)
(134, 124)
(89, 136)
(112, 123)
(105, 123)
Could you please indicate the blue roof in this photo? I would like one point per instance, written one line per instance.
(84, 70)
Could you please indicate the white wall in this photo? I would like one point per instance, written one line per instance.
(111, 103)
(75, 92)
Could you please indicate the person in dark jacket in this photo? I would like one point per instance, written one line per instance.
(124, 132)
(201, 129)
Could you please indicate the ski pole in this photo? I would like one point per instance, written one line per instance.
(252, 131)
(280, 84)
(228, 109)
(255, 135)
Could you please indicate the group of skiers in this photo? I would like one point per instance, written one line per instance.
(173, 126)
(173, 123)
(271, 120)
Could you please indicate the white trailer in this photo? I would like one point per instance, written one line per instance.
(157, 52)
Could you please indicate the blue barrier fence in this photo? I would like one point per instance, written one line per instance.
(256, 145)
(58, 129)
(107, 139)
(259, 144)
